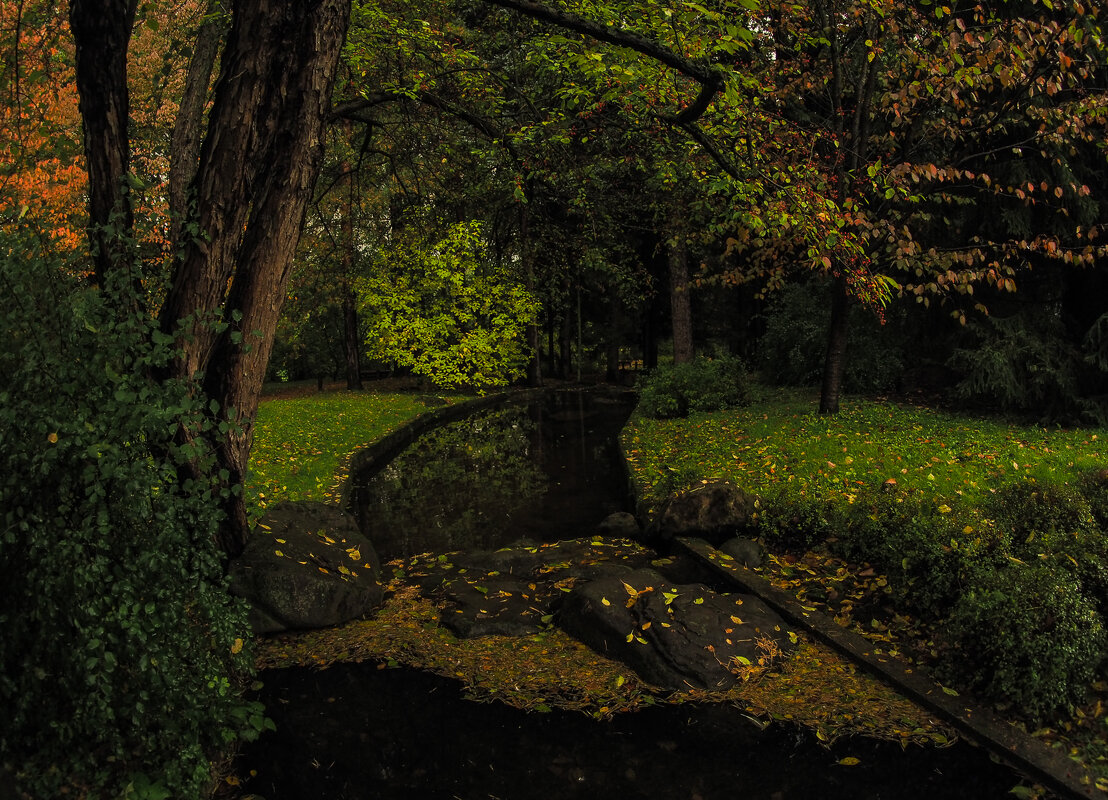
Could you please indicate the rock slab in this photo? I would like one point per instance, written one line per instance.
(306, 566)
(675, 636)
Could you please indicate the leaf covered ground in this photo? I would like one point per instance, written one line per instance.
(816, 688)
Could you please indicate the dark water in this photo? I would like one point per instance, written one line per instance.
(548, 471)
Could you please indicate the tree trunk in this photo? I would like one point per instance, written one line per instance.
(534, 366)
(259, 164)
(102, 32)
(184, 148)
(680, 305)
(352, 341)
(834, 362)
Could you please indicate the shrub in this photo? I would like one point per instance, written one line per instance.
(1026, 635)
(1055, 524)
(122, 649)
(704, 384)
(1022, 364)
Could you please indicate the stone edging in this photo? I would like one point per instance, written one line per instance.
(1049, 767)
(388, 447)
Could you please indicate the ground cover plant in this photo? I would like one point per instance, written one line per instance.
(985, 539)
(303, 443)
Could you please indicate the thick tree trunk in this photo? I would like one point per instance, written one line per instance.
(834, 363)
(258, 164)
(680, 305)
(534, 366)
(184, 147)
(102, 32)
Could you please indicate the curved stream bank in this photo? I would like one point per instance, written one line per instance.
(357, 731)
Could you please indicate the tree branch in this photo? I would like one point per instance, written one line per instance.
(709, 80)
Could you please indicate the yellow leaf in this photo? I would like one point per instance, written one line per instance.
(604, 600)
(237, 646)
(52, 438)
(278, 552)
(280, 541)
(736, 620)
(355, 554)
(850, 761)
(944, 509)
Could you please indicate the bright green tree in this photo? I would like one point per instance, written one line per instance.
(448, 310)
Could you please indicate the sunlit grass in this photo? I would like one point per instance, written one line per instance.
(952, 460)
(302, 445)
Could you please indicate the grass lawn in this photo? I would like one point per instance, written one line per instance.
(303, 444)
(953, 461)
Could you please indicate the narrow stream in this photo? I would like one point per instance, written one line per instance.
(548, 470)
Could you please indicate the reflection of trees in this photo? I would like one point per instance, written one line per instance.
(456, 487)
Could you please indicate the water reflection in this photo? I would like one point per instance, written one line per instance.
(547, 469)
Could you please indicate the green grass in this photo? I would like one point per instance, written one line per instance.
(950, 460)
(302, 445)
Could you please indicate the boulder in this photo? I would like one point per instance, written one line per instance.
(306, 566)
(714, 511)
(747, 552)
(674, 636)
(619, 525)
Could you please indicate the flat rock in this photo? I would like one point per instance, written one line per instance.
(306, 566)
(516, 590)
(675, 636)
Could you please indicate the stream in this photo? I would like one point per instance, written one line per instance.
(547, 470)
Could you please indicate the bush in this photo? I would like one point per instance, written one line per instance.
(704, 384)
(122, 650)
(911, 543)
(1026, 635)
(1023, 365)
(1055, 524)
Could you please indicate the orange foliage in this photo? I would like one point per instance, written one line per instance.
(42, 174)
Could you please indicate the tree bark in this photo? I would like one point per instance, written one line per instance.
(680, 305)
(834, 362)
(534, 366)
(351, 340)
(102, 33)
(259, 164)
(184, 148)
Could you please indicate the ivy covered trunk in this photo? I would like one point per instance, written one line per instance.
(258, 165)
